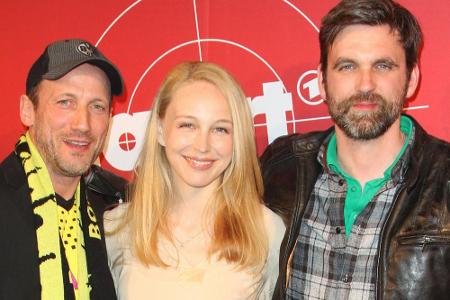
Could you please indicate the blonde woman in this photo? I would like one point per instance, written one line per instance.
(195, 226)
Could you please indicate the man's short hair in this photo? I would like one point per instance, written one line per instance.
(372, 13)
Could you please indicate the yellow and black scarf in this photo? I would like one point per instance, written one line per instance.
(52, 261)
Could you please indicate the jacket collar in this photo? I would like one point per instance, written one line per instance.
(310, 142)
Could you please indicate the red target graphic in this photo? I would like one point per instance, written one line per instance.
(127, 141)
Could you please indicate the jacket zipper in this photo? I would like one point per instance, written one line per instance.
(289, 249)
(417, 240)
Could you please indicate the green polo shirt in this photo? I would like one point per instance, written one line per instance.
(357, 198)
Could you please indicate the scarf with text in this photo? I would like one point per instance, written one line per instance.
(51, 258)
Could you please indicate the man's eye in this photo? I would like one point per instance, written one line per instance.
(63, 102)
(346, 67)
(384, 66)
(99, 107)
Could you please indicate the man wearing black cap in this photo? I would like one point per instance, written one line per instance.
(51, 196)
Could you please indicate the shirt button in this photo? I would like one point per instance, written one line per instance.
(338, 230)
(346, 278)
(353, 189)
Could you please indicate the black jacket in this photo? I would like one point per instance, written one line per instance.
(19, 271)
(414, 250)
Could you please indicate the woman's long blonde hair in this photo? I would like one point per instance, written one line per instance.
(239, 235)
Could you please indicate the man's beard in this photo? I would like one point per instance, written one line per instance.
(365, 125)
(67, 167)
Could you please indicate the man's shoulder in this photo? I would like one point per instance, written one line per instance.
(109, 186)
(11, 171)
(426, 145)
(438, 144)
(280, 164)
(10, 160)
(435, 157)
(291, 145)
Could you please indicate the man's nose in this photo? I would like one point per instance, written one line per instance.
(366, 81)
(81, 119)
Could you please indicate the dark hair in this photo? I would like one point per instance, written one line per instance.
(33, 95)
(373, 13)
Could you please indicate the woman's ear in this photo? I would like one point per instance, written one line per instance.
(161, 139)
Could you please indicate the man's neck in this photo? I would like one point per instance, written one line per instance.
(366, 160)
(64, 186)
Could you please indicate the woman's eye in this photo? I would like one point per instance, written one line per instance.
(186, 125)
(222, 130)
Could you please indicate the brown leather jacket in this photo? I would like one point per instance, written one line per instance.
(414, 250)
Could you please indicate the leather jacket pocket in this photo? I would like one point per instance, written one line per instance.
(418, 268)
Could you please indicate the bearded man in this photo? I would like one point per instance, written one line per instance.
(367, 201)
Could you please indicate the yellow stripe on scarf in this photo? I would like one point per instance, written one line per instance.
(50, 268)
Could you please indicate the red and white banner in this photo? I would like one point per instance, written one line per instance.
(270, 46)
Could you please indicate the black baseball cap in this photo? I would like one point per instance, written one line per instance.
(61, 57)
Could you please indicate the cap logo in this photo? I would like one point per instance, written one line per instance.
(85, 49)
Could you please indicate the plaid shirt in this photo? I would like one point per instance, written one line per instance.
(327, 265)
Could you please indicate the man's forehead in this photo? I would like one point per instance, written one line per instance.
(364, 30)
(380, 39)
(85, 70)
(76, 82)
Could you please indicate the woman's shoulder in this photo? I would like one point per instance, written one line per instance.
(274, 226)
(275, 232)
(116, 232)
(271, 219)
(114, 217)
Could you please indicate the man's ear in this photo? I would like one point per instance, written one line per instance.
(27, 112)
(321, 83)
(161, 139)
(413, 81)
